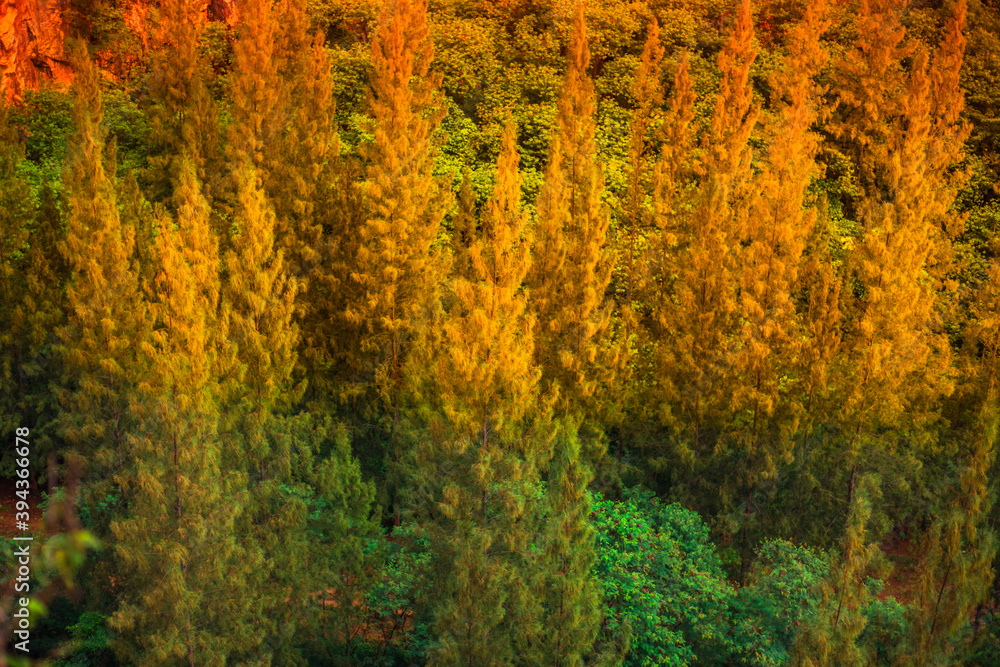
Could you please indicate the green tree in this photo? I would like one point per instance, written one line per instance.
(32, 277)
(833, 638)
(569, 591)
(957, 568)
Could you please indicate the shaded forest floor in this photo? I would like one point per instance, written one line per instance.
(904, 581)
(8, 500)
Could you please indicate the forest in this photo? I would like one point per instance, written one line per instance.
(503, 332)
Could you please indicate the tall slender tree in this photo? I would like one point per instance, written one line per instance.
(108, 318)
(304, 166)
(475, 470)
(833, 638)
(904, 144)
(701, 314)
(957, 570)
(182, 113)
(397, 269)
(31, 279)
(177, 540)
(572, 266)
(764, 353)
(634, 242)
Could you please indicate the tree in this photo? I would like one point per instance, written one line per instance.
(32, 277)
(396, 271)
(282, 105)
(636, 243)
(108, 319)
(700, 315)
(182, 112)
(481, 434)
(957, 568)
(833, 638)
(906, 134)
(13, 242)
(305, 165)
(465, 228)
(673, 175)
(568, 591)
(257, 89)
(572, 268)
(177, 493)
(764, 352)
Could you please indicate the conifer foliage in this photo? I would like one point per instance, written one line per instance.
(108, 319)
(572, 267)
(396, 270)
(700, 314)
(180, 496)
(248, 297)
(473, 485)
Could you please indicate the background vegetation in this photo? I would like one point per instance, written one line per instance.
(645, 333)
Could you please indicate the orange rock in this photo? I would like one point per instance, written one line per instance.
(33, 35)
(32, 41)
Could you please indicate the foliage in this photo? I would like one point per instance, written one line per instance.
(462, 266)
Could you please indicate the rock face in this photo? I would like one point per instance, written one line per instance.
(32, 45)
(33, 35)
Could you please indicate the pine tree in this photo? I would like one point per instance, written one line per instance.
(483, 438)
(771, 258)
(35, 317)
(107, 317)
(572, 265)
(634, 243)
(259, 300)
(464, 224)
(700, 315)
(396, 270)
(957, 570)
(671, 201)
(180, 497)
(568, 589)
(768, 279)
(833, 639)
(648, 92)
(182, 112)
(14, 212)
(305, 165)
(256, 87)
(904, 144)
(307, 183)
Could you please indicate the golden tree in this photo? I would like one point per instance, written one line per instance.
(397, 270)
(905, 133)
(180, 496)
(482, 437)
(108, 318)
(699, 250)
(572, 265)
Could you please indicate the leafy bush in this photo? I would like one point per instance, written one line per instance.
(781, 596)
(662, 581)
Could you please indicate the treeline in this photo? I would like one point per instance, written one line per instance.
(617, 354)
